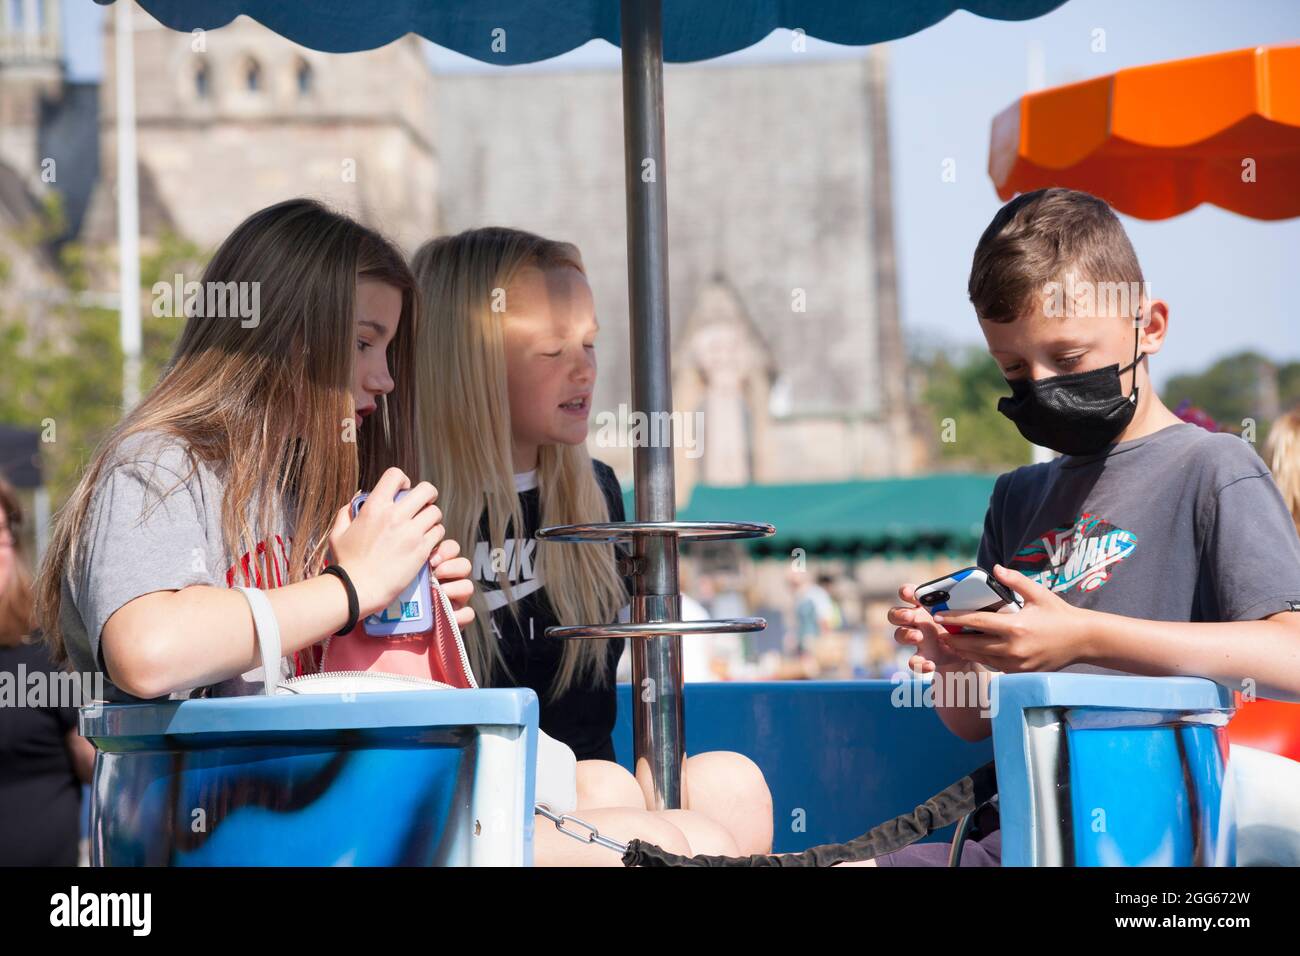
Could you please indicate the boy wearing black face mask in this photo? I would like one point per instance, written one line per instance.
(1151, 546)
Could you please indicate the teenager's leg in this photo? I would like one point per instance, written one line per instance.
(728, 788)
(603, 783)
(553, 848)
(706, 837)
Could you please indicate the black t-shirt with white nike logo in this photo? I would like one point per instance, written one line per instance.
(583, 717)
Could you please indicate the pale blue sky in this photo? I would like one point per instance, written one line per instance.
(1232, 283)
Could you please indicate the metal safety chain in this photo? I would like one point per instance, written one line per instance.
(592, 835)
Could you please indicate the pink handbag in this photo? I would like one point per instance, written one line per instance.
(358, 662)
(437, 655)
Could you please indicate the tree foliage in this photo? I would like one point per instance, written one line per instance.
(960, 398)
(62, 376)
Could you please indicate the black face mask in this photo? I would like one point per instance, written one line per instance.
(1076, 414)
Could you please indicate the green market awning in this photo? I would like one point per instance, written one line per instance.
(889, 517)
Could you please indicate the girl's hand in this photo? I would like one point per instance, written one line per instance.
(453, 573)
(383, 548)
(1047, 634)
(916, 628)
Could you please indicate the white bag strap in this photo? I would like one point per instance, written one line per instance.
(268, 637)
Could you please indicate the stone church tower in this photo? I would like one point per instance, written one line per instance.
(34, 109)
(31, 77)
(785, 326)
(234, 119)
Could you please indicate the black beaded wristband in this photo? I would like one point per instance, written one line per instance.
(354, 606)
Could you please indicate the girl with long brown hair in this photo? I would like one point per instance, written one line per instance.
(506, 374)
(238, 467)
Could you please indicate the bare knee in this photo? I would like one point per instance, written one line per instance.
(603, 783)
(730, 789)
(735, 772)
(705, 836)
(657, 828)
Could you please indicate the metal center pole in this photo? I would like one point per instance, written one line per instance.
(658, 728)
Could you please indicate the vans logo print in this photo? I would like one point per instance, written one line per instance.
(1081, 555)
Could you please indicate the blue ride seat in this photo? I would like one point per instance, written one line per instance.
(1113, 771)
(421, 778)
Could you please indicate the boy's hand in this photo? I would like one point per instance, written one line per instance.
(1045, 635)
(915, 628)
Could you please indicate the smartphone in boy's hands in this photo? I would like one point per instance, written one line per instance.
(970, 589)
(410, 611)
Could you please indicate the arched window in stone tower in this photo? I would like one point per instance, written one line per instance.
(726, 377)
(252, 75)
(304, 79)
(202, 81)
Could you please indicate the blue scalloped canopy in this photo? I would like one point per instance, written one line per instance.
(539, 29)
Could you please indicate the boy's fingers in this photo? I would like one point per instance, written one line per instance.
(1022, 585)
(901, 616)
(983, 621)
(983, 643)
(908, 635)
(976, 647)
(919, 664)
(907, 594)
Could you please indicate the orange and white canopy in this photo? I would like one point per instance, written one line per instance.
(1156, 141)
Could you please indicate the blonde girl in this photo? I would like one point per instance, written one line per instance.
(507, 368)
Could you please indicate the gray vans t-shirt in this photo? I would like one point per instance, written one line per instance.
(154, 526)
(1181, 525)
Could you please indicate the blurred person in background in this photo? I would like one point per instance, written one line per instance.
(830, 646)
(1282, 452)
(43, 759)
(705, 657)
(814, 616)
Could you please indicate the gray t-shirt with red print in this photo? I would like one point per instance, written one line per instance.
(1181, 525)
(154, 524)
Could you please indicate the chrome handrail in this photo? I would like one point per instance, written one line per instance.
(612, 531)
(735, 625)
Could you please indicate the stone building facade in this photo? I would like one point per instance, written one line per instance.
(231, 120)
(786, 337)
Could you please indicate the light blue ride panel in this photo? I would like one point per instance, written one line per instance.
(380, 779)
(1113, 771)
